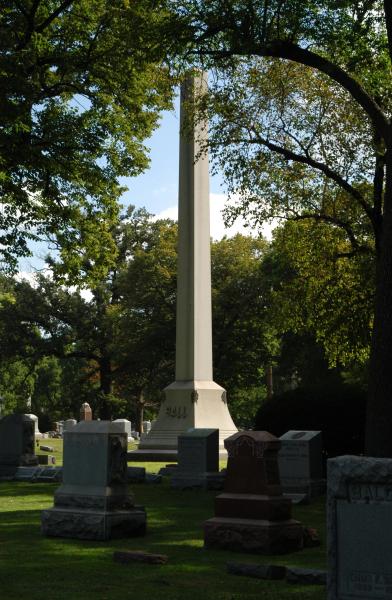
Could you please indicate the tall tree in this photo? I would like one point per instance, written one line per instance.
(316, 290)
(81, 87)
(244, 339)
(122, 335)
(349, 46)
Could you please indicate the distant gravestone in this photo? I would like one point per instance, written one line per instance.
(93, 502)
(25, 473)
(68, 424)
(198, 460)
(127, 427)
(48, 475)
(38, 435)
(359, 525)
(17, 444)
(300, 463)
(252, 515)
(146, 426)
(86, 414)
(46, 459)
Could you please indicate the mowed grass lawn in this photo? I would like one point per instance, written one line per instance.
(34, 567)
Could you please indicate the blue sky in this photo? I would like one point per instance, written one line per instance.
(157, 188)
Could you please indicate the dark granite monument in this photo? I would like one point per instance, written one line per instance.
(198, 460)
(17, 444)
(94, 501)
(252, 515)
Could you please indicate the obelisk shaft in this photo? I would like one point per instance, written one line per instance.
(193, 400)
(194, 329)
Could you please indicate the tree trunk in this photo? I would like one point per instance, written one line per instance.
(379, 408)
(270, 385)
(140, 412)
(105, 374)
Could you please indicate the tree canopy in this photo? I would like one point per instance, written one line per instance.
(82, 86)
(348, 47)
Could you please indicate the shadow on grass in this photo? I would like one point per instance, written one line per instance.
(67, 568)
(21, 488)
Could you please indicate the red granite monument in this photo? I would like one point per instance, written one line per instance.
(86, 414)
(251, 515)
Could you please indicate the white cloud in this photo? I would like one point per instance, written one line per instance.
(27, 276)
(31, 278)
(217, 226)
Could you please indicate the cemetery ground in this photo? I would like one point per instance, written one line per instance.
(35, 567)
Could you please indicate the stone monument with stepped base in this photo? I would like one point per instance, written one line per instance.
(193, 400)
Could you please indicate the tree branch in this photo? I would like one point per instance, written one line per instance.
(290, 51)
(388, 23)
(63, 6)
(40, 27)
(307, 160)
(342, 225)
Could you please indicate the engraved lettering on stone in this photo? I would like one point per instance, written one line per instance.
(178, 412)
(245, 443)
(369, 492)
(378, 585)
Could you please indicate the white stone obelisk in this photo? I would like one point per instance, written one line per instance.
(194, 399)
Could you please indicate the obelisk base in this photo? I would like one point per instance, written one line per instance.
(187, 404)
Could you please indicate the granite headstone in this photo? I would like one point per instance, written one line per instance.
(300, 463)
(38, 435)
(127, 427)
(359, 525)
(94, 501)
(86, 414)
(198, 460)
(68, 423)
(17, 444)
(251, 515)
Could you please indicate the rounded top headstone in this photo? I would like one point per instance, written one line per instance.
(86, 414)
(257, 442)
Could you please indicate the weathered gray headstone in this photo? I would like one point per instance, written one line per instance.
(146, 426)
(94, 502)
(300, 463)
(127, 427)
(17, 444)
(359, 528)
(38, 435)
(198, 459)
(68, 424)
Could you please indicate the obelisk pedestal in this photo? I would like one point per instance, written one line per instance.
(194, 399)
